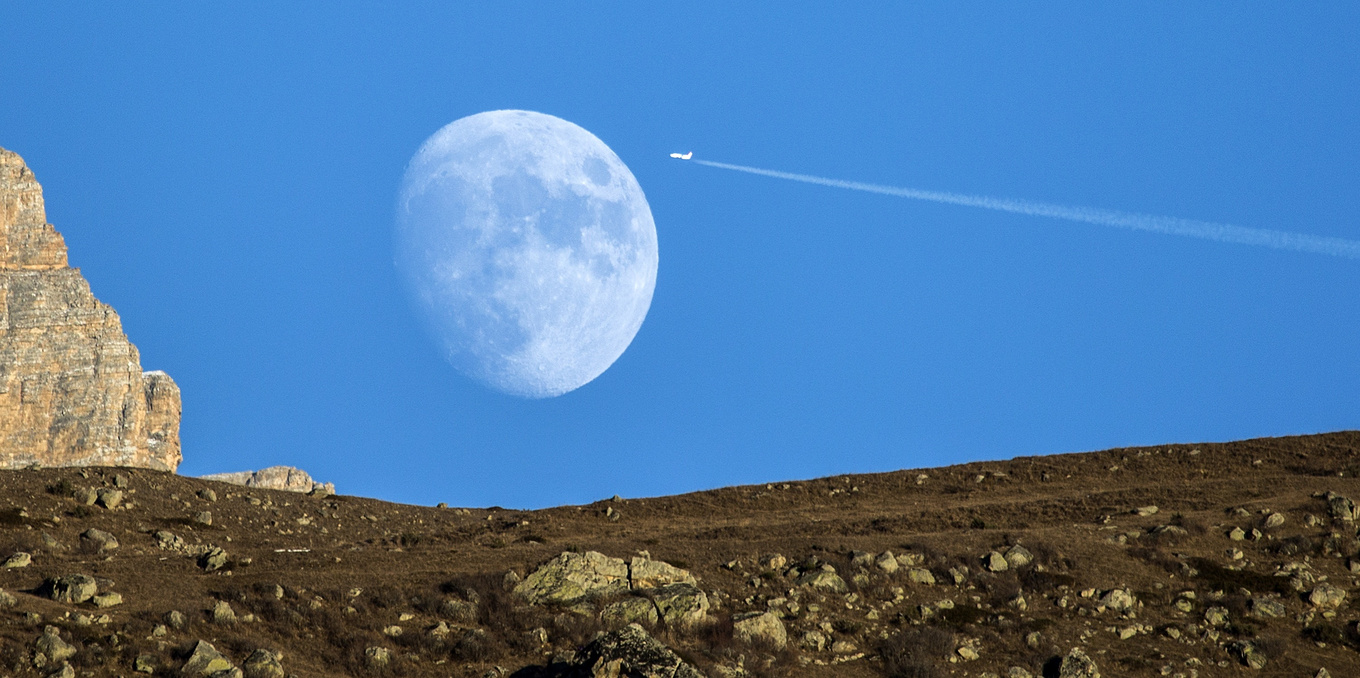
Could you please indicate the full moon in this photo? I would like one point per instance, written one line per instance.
(529, 249)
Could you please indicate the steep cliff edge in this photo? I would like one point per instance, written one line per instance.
(72, 390)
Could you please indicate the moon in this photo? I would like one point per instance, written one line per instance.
(529, 250)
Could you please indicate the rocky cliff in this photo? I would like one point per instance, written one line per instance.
(72, 390)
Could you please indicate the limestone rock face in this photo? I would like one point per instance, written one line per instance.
(72, 390)
(274, 478)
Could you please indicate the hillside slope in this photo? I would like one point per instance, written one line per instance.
(1132, 555)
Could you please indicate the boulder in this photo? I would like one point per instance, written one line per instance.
(920, 575)
(71, 588)
(1119, 600)
(53, 647)
(995, 562)
(1247, 653)
(681, 605)
(274, 478)
(760, 628)
(1018, 556)
(1327, 597)
(645, 573)
(574, 577)
(630, 653)
(887, 562)
(98, 541)
(1077, 665)
(109, 498)
(72, 391)
(109, 599)
(1265, 608)
(632, 610)
(824, 579)
(205, 660)
(17, 560)
(1341, 507)
(377, 657)
(215, 558)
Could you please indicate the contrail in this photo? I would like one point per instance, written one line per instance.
(1207, 230)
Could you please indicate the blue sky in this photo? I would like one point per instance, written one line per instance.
(226, 178)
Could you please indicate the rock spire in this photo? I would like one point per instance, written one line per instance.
(72, 390)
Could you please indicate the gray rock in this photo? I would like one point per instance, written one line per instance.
(98, 541)
(630, 611)
(1077, 665)
(53, 647)
(1019, 556)
(995, 562)
(205, 661)
(203, 517)
(176, 620)
(71, 588)
(17, 560)
(920, 575)
(213, 559)
(824, 580)
(861, 559)
(109, 599)
(1119, 600)
(1327, 597)
(1341, 507)
(681, 605)
(86, 495)
(207, 494)
(223, 614)
(263, 664)
(460, 611)
(887, 562)
(64, 670)
(1216, 616)
(145, 663)
(7, 599)
(760, 628)
(1247, 653)
(574, 577)
(377, 657)
(274, 478)
(1265, 608)
(109, 498)
(630, 652)
(645, 573)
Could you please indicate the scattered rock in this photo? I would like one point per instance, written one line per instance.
(645, 573)
(760, 628)
(920, 575)
(1264, 608)
(52, 647)
(1145, 511)
(17, 560)
(223, 614)
(681, 605)
(1119, 600)
(109, 599)
(205, 661)
(630, 652)
(98, 541)
(824, 579)
(995, 562)
(772, 561)
(62, 671)
(203, 517)
(109, 498)
(460, 611)
(1341, 507)
(207, 494)
(393, 631)
(86, 495)
(1216, 616)
(1327, 597)
(1237, 534)
(844, 647)
(7, 599)
(145, 663)
(632, 610)
(1247, 653)
(274, 478)
(176, 620)
(1274, 520)
(214, 558)
(967, 653)
(1077, 665)
(377, 657)
(574, 577)
(71, 588)
(813, 640)
(1019, 556)
(886, 562)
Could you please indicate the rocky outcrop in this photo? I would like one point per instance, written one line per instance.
(72, 390)
(630, 653)
(274, 478)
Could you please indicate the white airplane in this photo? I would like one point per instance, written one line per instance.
(685, 156)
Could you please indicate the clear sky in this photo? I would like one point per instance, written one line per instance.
(226, 179)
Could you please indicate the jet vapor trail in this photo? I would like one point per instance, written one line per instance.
(1337, 247)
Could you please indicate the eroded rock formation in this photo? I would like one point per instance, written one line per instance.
(72, 390)
(274, 478)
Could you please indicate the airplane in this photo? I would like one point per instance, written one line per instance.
(685, 156)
